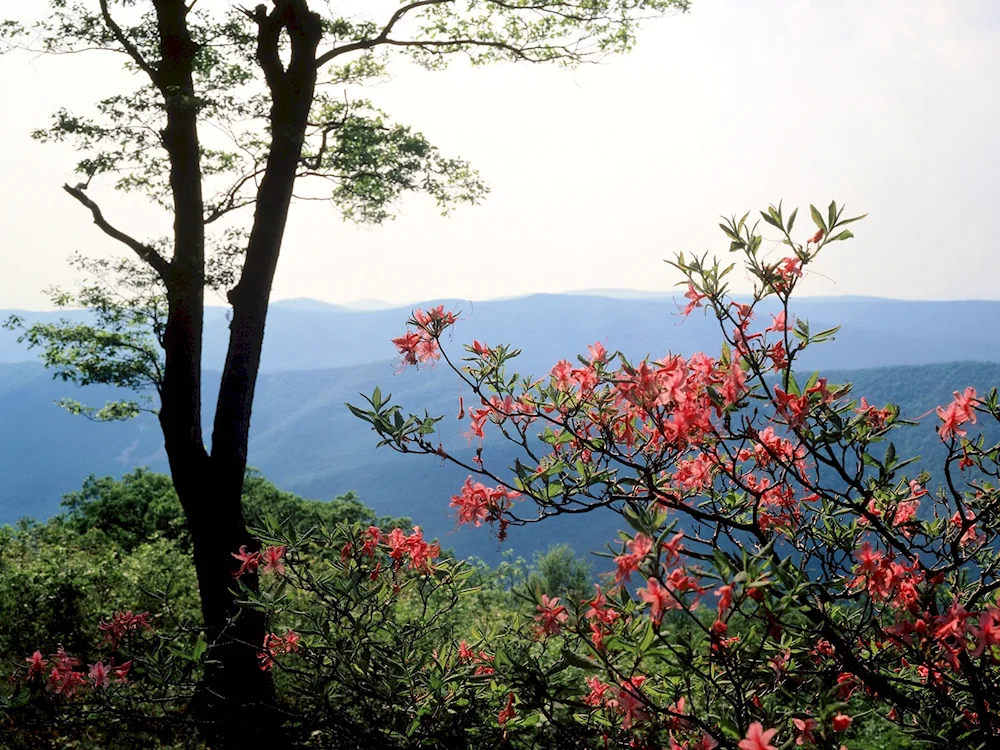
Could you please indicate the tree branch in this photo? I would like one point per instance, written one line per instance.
(145, 252)
(383, 36)
(268, 35)
(123, 40)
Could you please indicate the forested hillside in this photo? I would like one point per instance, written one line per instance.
(305, 441)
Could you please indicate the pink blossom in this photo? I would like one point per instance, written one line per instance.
(248, 561)
(758, 738)
(272, 560)
(99, 675)
(551, 615)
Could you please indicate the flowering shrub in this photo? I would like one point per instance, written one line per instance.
(380, 641)
(786, 573)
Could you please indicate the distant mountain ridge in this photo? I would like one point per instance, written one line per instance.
(308, 335)
(318, 356)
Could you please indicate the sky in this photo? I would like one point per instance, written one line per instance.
(598, 174)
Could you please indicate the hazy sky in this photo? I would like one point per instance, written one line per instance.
(598, 174)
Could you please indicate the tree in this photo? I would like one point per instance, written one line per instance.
(255, 76)
(795, 570)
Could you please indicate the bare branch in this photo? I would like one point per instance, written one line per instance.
(230, 202)
(156, 261)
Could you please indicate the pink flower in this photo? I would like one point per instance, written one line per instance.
(121, 673)
(63, 679)
(465, 654)
(789, 268)
(659, 598)
(123, 625)
(475, 504)
(725, 594)
(275, 645)
(551, 615)
(598, 695)
(407, 346)
(36, 664)
(413, 546)
(986, 634)
(631, 701)
(99, 675)
(599, 609)
(694, 298)
(248, 561)
(597, 352)
(804, 728)
(957, 413)
(627, 563)
(779, 323)
(272, 560)
(758, 738)
(562, 373)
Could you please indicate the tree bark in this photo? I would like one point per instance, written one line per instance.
(235, 703)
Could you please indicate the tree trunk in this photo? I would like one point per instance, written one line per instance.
(235, 704)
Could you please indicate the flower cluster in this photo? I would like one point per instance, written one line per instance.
(123, 626)
(269, 560)
(477, 502)
(275, 645)
(420, 346)
(64, 679)
(839, 576)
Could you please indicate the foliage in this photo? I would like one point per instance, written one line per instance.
(820, 581)
(559, 572)
(352, 153)
(143, 506)
(233, 110)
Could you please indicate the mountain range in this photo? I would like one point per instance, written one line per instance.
(318, 356)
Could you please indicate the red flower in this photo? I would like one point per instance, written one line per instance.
(508, 712)
(841, 722)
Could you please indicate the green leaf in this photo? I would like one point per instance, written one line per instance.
(200, 646)
(770, 220)
(817, 218)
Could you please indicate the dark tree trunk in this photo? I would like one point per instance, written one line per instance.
(235, 703)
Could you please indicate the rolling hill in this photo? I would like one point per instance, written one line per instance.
(320, 356)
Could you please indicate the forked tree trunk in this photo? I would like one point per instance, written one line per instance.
(235, 702)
